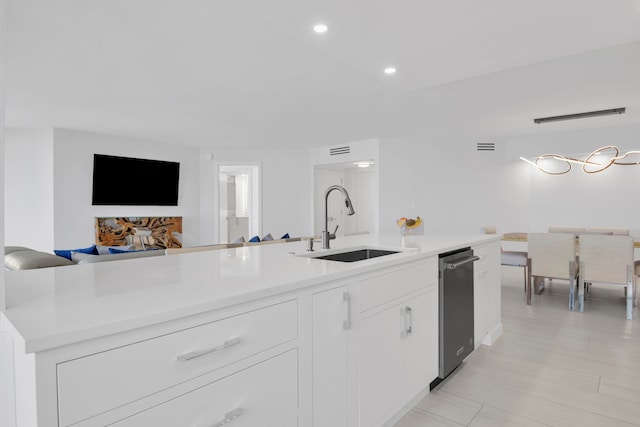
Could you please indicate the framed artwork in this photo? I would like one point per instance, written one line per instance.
(141, 232)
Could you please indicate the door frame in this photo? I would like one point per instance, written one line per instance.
(344, 166)
(255, 202)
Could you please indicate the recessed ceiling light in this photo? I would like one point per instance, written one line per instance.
(390, 70)
(320, 28)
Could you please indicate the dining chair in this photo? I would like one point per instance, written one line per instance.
(608, 260)
(510, 258)
(552, 256)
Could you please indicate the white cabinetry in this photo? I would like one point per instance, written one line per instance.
(341, 346)
(99, 382)
(375, 345)
(486, 294)
(397, 341)
(331, 309)
(398, 356)
(194, 372)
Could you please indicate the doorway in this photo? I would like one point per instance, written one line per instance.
(360, 182)
(239, 202)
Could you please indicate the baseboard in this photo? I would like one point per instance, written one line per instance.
(492, 336)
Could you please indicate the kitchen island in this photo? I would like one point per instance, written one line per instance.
(261, 335)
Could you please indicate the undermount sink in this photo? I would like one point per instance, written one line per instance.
(354, 255)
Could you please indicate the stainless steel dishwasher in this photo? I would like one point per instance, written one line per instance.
(456, 310)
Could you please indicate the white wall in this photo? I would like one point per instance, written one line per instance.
(449, 184)
(74, 215)
(7, 393)
(28, 198)
(454, 187)
(3, 79)
(49, 184)
(365, 149)
(286, 190)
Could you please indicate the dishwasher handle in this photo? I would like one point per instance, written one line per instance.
(454, 265)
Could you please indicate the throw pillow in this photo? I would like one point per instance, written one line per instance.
(254, 239)
(267, 237)
(27, 260)
(80, 256)
(11, 249)
(286, 236)
(66, 253)
(104, 250)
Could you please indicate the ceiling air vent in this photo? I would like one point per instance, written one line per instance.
(337, 151)
(486, 146)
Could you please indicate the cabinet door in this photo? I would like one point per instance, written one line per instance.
(419, 349)
(398, 350)
(486, 292)
(331, 310)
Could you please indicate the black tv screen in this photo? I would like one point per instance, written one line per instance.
(129, 181)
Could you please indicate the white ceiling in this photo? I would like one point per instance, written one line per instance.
(252, 73)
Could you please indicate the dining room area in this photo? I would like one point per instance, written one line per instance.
(578, 256)
(568, 201)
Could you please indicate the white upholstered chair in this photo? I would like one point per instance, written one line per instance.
(510, 258)
(552, 256)
(607, 259)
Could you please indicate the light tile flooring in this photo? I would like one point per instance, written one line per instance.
(552, 367)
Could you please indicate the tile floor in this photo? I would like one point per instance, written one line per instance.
(552, 367)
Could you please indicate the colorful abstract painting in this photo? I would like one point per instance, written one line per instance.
(141, 232)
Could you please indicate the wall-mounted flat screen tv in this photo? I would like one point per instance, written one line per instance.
(134, 182)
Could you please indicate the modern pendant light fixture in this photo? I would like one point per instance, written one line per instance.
(593, 162)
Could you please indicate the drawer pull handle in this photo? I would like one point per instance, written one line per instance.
(407, 315)
(228, 417)
(228, 343)
(346, 324)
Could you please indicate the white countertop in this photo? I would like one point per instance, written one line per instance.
(51, 307)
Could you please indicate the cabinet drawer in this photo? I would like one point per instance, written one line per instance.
(395, 283)
(265, 394)
(97, 383)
